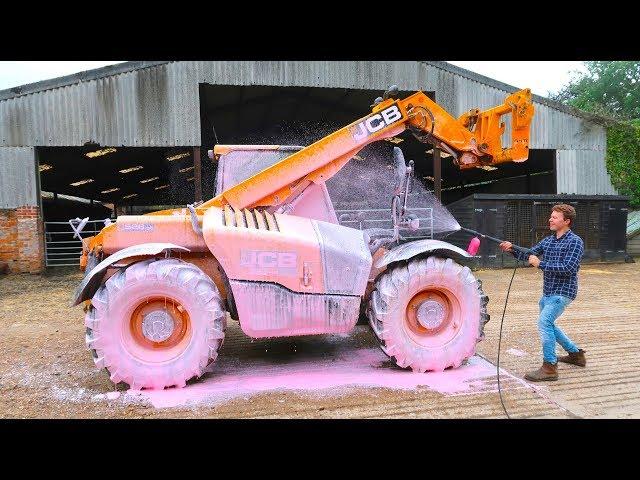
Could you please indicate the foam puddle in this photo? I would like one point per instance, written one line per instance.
(516, 352)
(364, 367)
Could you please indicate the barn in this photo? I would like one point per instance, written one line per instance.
(133, 137)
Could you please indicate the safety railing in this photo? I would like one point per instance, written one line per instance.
(381, 218)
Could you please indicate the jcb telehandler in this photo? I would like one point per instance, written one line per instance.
(270, 251)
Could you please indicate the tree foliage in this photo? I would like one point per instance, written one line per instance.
(612, 89)
(607, 88)
(623, 158)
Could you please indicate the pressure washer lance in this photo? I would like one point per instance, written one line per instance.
(472, 249)
(476, 245)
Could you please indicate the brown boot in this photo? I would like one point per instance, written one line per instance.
(575, 358)
(548, 371)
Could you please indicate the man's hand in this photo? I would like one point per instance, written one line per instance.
(506, 246)
(534, 261)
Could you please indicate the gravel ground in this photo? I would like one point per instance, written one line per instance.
(46, 371)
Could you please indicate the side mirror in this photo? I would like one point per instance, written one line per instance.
(392, 92)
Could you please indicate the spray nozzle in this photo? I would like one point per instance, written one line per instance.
(493, 239)
(474, 246)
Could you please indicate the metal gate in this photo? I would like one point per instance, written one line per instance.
(60, 246)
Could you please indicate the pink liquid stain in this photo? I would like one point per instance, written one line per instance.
(516, 352)
(347, 367)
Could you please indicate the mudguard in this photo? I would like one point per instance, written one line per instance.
(93, 277)
(411, 249)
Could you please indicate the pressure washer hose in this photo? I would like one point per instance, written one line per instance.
(500, 340)
(523, 250)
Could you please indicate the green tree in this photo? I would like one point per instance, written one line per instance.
(623, 158)
(607, 88)
(612, 89)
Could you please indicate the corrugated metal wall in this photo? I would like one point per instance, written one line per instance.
(583, 172)
(154, 106)
(18, 186)
(159, 106)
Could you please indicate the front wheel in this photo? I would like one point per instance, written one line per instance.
(156, 324)
(428, 313)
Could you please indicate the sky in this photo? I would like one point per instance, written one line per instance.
(541, 77)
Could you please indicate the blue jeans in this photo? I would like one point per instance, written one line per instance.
(551, 307)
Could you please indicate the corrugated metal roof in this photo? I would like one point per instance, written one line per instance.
(633, 223)
(293, 74)
(75, 78)
(134, 108)
(17, 171)
(157, 103)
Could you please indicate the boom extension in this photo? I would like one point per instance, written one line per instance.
(472, 140)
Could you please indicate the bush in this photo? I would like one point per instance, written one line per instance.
(623, 158)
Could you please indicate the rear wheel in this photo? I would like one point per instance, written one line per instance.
(428, 314)
(156, 324)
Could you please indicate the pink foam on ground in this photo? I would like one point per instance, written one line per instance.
(365, 367)
(516, 352)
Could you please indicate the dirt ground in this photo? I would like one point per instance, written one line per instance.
(47, 372)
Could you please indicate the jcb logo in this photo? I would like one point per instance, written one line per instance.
(284, 263)
(375, 122)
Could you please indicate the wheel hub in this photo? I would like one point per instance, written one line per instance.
(430, 314)
(159, 323)
(157, 326)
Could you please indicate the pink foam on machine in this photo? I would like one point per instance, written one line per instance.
(474, 246)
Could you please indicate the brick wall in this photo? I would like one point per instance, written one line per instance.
(21, 240)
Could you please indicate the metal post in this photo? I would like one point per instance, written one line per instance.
(197, 174)
(437, 173)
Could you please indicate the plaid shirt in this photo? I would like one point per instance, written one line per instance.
(560, 265)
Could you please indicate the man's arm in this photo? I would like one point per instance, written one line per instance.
(537, 250)
(570, 263)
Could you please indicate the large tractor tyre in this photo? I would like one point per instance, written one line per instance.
(428, 314)
(156, 324)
